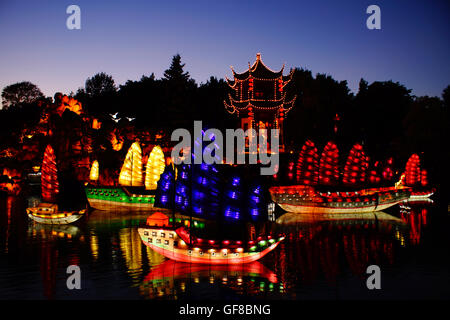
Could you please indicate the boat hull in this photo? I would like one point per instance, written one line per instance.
(197, 255)
(117, 198)
(326, 210)
(108, 205)
(66, 217)
(305, 199)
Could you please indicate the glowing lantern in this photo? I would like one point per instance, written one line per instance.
(290, 172)
(155, 167)
(131, 173)
(424, 178)
(388, 172)
(413, 170)
(71, 104)
(49, 176)
(308, 164)
(96, 124)
(329, 165)
(116, 143)
(93, 175)
(356, 166)
(280, 85)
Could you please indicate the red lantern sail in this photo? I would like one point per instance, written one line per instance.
(49, 176)
(388, 172)
(424, 178)
(413, 171)
(329, 165)
(290, 173)
(356, 166)
(373, 174)
(308, 164)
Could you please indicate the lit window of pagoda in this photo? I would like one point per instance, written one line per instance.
(258, 95)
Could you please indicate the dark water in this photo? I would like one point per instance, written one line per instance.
(317, 260)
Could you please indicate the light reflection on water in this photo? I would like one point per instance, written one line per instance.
(321, 258)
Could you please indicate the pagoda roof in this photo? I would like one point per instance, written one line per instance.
(258, 70)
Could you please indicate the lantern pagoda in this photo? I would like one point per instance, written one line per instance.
(258, 98)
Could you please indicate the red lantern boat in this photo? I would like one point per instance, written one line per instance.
(47, 212)
(306, 199)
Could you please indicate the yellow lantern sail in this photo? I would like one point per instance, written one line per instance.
(155, 167)
(131, 173)
(94, 171)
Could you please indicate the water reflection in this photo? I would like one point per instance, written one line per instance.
(332, 244)
(172, 279)
(320, 252)
(415, 215)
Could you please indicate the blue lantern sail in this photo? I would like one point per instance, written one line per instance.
(212, 191)
(256, 202)
(165, 189)
(233, 196)
(205, 190)
(183, 188)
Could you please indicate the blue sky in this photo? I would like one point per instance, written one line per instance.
(130, 38)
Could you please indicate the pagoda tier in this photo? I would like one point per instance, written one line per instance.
(259, 89)
(258, 97)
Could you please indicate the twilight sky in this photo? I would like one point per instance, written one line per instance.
(130, 38)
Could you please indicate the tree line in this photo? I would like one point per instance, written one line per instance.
(384, 116)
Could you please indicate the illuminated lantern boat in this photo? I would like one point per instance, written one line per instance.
(306, 199)
(131, 195)
(179, 245)
(47, 212)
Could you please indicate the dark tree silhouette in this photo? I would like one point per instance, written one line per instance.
(175, 73)
(446, 96)
(99, 95)
(20, 93)
(100, 84)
